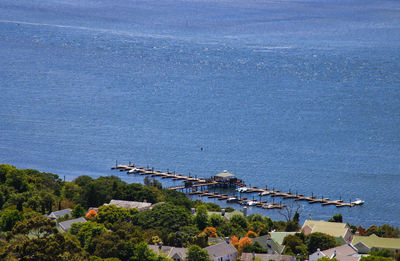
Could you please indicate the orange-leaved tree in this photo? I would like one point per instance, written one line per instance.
(210, 231)
(244, 241)
(91, 214)
(235, 241)
(251, 234)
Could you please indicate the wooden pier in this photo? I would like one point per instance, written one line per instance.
(193, 184)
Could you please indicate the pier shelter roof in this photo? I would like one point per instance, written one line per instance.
(225, 175)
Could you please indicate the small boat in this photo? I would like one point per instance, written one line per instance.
(232, 200)
(133, 171)
(358, 202)
(264, 193)
(242, 189)
(251, 203)
(268, 206)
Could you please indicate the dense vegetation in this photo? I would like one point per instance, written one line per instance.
(113, 233)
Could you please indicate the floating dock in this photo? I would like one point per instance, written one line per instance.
(193, 184)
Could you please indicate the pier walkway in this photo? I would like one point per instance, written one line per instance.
(193, 184)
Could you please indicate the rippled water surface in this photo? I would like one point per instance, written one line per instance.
(299, 95)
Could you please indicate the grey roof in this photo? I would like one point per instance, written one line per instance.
(265, 257)
(225, 174)
(178, 253)
(272, 245)
(221, 250)
(129, 204)
(59, 213)
(345, 252)
(66, 225)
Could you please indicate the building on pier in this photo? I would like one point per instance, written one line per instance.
(226, 178)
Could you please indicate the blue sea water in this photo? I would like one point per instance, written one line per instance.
(299, 95)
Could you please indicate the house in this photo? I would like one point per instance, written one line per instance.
(66, 225)
(345, 252)
(337, 230)
(175, 253)
(265, 257)
(365, 244)
(130, 204)
(60, 213)
(223, 251)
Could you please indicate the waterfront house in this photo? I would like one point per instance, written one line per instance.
(66, 225)
(365, 244)
(337, 230)
(141, 206)
(60, 213)
(223, 251)
(345, 252)
(175, 253)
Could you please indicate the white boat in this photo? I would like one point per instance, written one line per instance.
(242, 189)
(264, 193)
(232, 200)
(251, 203)
(133, 171)
(358, 202)
(268, 206)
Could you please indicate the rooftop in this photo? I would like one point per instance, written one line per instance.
(66, 225)
(265, 257)
(343, 253)
(225, 174)
(279, 236)
(331, 228)
(130, 204)
(60, 213)
(378, 242)
(171, 252)
(220, 250)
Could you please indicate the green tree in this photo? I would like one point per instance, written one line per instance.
(109, 214)
(110, 244)
(239, 220)
(37, 238)
(166, 216)
(86, 232)
(37, 226)
(336, 218)
(195, 253)
(17, 179)
(201, 218)
(78, 211)
(292, 226)
(215, 220)
(144, 253)
(294, 245)
(71, 191)
(382, 252)
(46, 201)
(376, 258)
(9, 218)
(320, 240)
